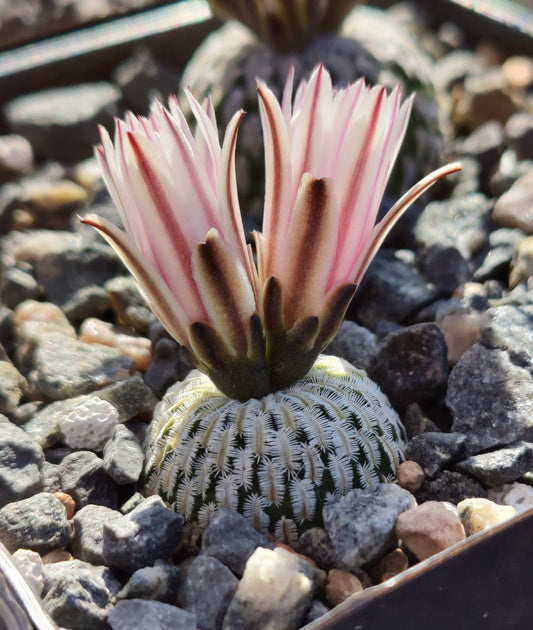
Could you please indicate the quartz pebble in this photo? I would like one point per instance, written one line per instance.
(479, 514)
(30, 565)
(340, 585)
(138, 348)
(429, 528)
(517, 495)
(273, 593)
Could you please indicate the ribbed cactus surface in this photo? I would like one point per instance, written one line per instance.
(276, 460)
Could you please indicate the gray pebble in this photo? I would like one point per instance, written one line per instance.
(361, 524)
(510, 328)
(392, 289)
(490, 398)
(87, 540)
(131, 397)
(17, 286)
(231, 539)
(148, 533)
(208, 590)
(449, 486)
(142, 614)
(21, 464)
(501, 465)
(123, 456)
(160, 583)
(66, 367)
(52, 118)
(435, 451)
(460, 222)
(354, 343)
(79, 595)
(316, 544)
(84, 478)
(416, 421)
(411, 365)
(38, 523)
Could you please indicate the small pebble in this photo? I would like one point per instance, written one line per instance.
(410, 476)
(480, 514)
(517, 495)
(30, 565)
(57, 555)
(68, 502)
(429, 528)
(392, 564)
(89, 425)
(138, 348)
(340, 584)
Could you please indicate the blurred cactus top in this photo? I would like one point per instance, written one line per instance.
(285, 24)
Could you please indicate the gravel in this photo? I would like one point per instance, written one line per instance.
(442, 322)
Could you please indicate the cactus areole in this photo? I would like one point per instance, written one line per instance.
(267, 425)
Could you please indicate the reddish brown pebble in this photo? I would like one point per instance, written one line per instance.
(430, 528)
(340, 585)
(391, 565)
(68, 502)
(56, 555)
(410, 475)
(300, 555)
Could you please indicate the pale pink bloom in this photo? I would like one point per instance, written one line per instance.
(184, 243)
(328, 157)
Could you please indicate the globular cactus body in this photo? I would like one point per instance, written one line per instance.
(276, 460)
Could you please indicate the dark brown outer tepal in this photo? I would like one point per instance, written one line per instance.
(483, 583)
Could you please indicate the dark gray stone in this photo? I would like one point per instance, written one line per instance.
(61, 123)
(66, 367)
(89, 301)
(160, 583)
(416, 421)
(164, 370)
(13, 388)
(462, 222)
(445, 267)
(64, 272)
(361, 524)
(354, 343)
(315, 543)
(87, 540)
(17, 286)
(499, 254)
(449, 486)
(490, 398)
(79, 595)
(84, 478)
(38, 523)
(128, 304)
(208, 590)
(500, 466)
(21, 464)
(123, 456)
(435, 451)
(142, 614)
(231, 539)
(131, 397)
(148, 533)
(411, 365)
(392, 290)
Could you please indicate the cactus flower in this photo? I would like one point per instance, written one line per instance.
(253, 328)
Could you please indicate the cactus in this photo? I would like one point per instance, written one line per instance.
(278, 459)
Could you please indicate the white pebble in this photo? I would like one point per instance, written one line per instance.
(31, 566)
(89, 425)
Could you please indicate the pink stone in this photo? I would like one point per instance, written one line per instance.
(430, 528)
(410, 475)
